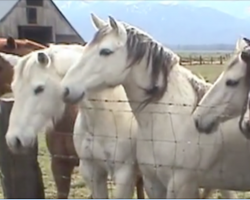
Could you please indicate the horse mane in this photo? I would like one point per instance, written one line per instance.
(20, 67)
(159, 58)
(199, 85)
(10, 58)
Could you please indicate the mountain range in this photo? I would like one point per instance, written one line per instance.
(171, 23)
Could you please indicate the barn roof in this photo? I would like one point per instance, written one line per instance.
(6, 7)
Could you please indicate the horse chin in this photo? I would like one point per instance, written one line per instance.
(20, 150)
(246, 129)
(74, 99)
(208, 128)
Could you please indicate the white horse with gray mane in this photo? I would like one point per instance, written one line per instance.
(35, 86)
(174, 159)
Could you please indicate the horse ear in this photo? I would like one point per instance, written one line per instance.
(118, 27)
(246, 40)
(240, 44)
(97, 22)
(113, 23)
(42, 58)
(11, 43)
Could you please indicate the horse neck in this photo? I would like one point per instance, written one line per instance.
(179, 91)
(109, 98)
(101, 110)
(65, 124)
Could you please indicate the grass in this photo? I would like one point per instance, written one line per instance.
(210, 72)
(76, 192)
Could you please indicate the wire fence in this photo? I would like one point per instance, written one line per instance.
(179, 150)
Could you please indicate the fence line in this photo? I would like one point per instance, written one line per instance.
(204, 60)
(171, 140)
(203, 144)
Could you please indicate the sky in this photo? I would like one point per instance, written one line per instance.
(240, 9)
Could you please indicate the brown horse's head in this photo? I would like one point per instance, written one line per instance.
(6, 74)
(18, 47)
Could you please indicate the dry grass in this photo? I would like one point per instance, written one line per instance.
(50, 189)
(78, 192)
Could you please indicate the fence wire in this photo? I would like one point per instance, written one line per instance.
(180, 147)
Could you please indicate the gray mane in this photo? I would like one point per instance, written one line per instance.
(159, 58)
(200, 87)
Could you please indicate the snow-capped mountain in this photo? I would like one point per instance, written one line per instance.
(170, 22)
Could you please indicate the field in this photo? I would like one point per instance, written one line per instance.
(78, 191)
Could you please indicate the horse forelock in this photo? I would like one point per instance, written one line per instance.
(10, 58)
(22, 68)
(140, 45)
(26, 66)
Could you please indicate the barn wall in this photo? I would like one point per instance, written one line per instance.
(61, 38)
(46, 16)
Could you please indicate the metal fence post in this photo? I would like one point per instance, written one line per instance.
(21, 174)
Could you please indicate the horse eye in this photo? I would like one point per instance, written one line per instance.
(245, 55)
(39, 89)
(105, 52)
(232, 83)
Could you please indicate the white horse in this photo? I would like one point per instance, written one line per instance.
(105, 142)
(228, 97)
(174, 159)
(11, 58)
(36, 80)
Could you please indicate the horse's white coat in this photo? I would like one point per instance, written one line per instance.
(223, 102)
(104, 139)
(12, 59)
(173, 157)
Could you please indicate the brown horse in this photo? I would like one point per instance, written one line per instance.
(18, 47)
(59, 140)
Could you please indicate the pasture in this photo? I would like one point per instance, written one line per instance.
(78, 191)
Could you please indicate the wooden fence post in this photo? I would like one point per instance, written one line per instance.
(221, 60)
(190, 60)
(21, 174)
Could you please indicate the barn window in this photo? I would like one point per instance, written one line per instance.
(34, 2)
(31, 15)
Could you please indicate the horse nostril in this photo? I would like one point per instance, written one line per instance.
(66, 92)
(18, 143)
(196, 122)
